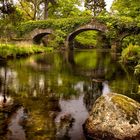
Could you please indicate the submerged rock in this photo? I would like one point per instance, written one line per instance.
(114, 117)
(64, 123)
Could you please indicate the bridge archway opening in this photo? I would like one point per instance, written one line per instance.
(130, 39)
(37, 36)
(40, 38)
(95, 27)
(75, 33)
(90, 39)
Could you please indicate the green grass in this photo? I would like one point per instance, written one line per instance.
(13, 51)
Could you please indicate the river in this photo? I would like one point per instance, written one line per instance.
(52, 94)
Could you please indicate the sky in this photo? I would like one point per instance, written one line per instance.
(108, 4)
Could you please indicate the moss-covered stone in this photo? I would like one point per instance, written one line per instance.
(114, 116)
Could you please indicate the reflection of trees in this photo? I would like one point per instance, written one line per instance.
(95, 64)
(39, 91)
(42, 106)
(3, 87)
(127, 86)
(100, 65)
(3, 124)
(7, 105)
(42, 112)
(39, 83)
(92, 92)
(71, 57)
(31, 90)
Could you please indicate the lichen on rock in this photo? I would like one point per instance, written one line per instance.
(113, 116)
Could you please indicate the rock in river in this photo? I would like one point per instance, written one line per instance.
(113, 117)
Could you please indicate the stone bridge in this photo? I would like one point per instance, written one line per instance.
(93, 25)
(37, 34)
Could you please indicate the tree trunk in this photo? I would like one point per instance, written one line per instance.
(46, 2)
(35, 10)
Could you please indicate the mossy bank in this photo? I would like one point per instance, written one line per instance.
(15, 50)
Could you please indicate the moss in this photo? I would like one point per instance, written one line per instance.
(125, 103)
(66, 25)
(61, 27)
(128, 105)
(13, 51)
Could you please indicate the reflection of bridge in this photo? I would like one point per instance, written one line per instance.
(99, 71)
(103, 67)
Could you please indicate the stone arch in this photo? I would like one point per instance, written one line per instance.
(37, 39)
(124, 35)
(94, 25)
(129, 32)
(117, 43)
(37, 35)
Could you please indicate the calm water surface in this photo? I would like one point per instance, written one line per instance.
(51, 95)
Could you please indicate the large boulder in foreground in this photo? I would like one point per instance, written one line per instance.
(114, 117)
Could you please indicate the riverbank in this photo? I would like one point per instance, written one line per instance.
(20, 50)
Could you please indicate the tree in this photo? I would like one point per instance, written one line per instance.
(96, 6)
(65, 8)
(36, 9)
(46, 7)
(131, 8)
(129, 19)
(6, 7)
(31, 9)
(10, 16)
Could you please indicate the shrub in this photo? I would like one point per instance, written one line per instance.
(131, 54)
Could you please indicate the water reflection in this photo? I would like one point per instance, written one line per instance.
(5, 101)
(16, 131)
(92, 92)
(72, 109)
(106, 89)
(53, 93)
